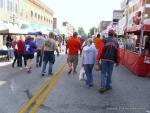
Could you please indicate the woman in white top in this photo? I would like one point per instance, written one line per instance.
(88, 61)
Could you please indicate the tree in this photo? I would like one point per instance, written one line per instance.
(81, 31)
(92, 31)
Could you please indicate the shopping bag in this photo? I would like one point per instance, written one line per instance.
(82, 75)
(97, 67)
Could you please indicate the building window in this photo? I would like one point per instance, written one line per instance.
(44, 18)
(38, 17)
(41, 17)
(9, 5)
(1, 3)
(35, 15)
(31, 14)
(26, 16)
(16, 8)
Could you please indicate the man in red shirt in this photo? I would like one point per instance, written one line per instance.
(73, 47)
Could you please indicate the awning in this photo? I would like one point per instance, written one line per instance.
(136, 29)
(45, 29)
(32, 28)
(10, 28)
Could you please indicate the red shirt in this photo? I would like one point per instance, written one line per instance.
(73, 46)
(20, 46)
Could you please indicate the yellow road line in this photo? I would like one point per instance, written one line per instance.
(37, 94)
(45, 94)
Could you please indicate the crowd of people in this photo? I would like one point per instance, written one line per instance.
(97, 53)
(26, 49)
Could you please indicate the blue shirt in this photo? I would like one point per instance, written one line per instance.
(30, 47)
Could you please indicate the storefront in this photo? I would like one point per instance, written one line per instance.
(135, 54)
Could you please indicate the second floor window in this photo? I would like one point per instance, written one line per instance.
(10, 5)
(1, 3)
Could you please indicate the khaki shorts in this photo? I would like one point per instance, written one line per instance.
(73, 59)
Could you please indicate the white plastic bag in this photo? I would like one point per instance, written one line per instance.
(82, 75)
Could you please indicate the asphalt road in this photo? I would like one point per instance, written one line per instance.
(130, 94)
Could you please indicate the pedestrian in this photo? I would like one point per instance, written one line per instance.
(49, 56)
(58, 42)
(30, 48)
(15, 50)
(109, 55)
(40, 43)
(88, 61)
(97, 41)
(20, 45)
(73, 46)
(8, 45)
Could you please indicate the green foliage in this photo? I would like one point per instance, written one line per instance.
(81, 31)
(92, 31)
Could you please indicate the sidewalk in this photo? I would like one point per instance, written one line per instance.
(5, 63)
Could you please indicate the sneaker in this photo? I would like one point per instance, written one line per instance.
(109, 88)
(29, 71)
(91, 85)
(12, 65)
(69, 72)
(74, 71)
(51, 74)
(37, 65)
(102, 90)
(43, 74)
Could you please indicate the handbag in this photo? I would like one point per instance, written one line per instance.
(97, 67)
(82, 75)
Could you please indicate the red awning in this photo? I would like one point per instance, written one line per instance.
(136, 29)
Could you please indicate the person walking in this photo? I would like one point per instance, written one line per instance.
(20, 45)
(88, 61)
(39, 41)
(15, 49)
(30, 48)
(97, 41)
(49, 56)
(73, 46)
(109, 54)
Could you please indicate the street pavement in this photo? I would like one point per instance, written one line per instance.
(130, 94)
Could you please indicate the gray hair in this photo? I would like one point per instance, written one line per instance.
(51, 35)
(90, 40)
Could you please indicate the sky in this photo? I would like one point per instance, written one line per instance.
(83, 13)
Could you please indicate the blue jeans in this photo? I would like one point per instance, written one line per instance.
(88, 71)
(39, 58)
(20, 60)
(106, 73)
(44, 67)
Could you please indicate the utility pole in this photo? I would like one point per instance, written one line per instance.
(13, 18)
(142, 29)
